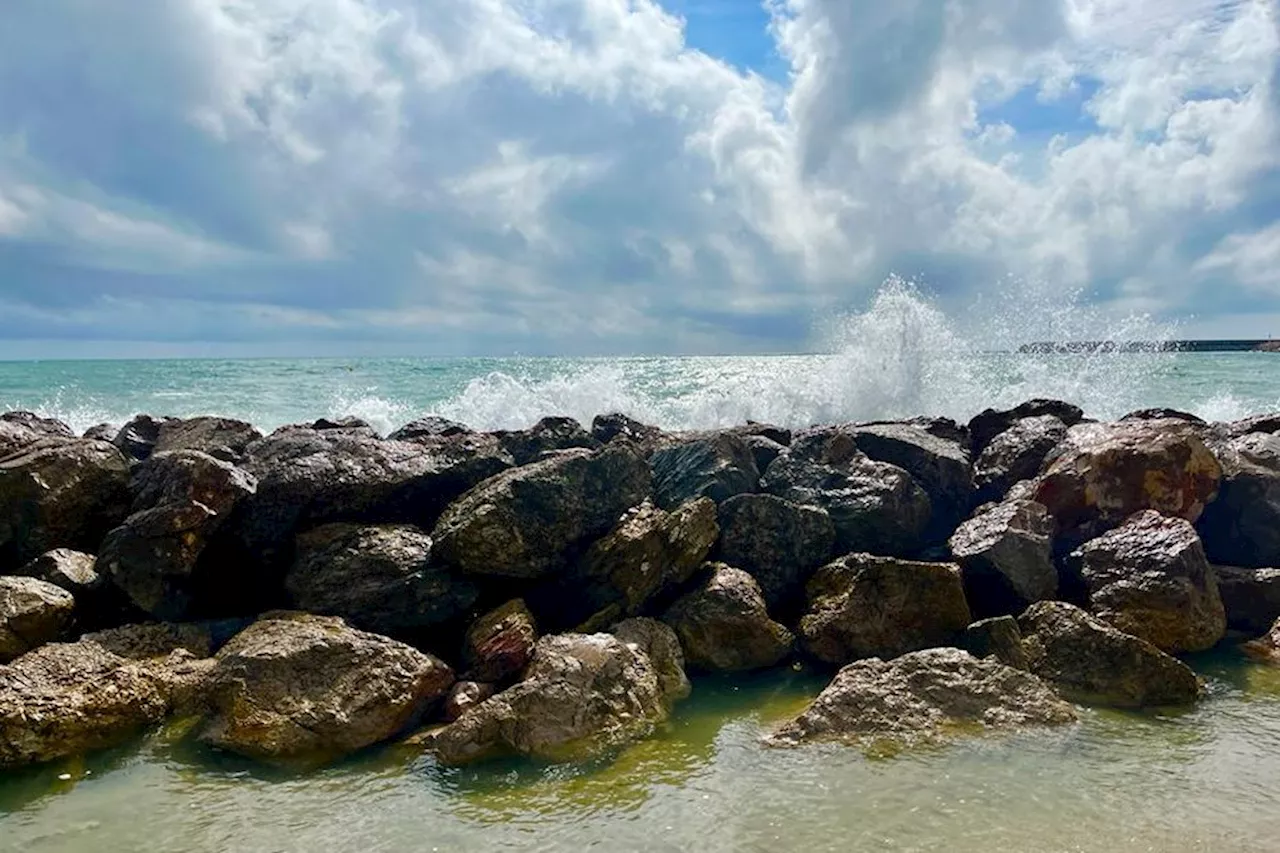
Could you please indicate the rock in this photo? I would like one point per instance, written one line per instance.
(941, 468)
(874, 506)
(1093, 663)
(32, 613)
(1269, 422)
(548, 434)
(1242, 527)
(101, 432)
(778, 542)
(463, 696)
(68, 698)
(1157, 414)
(22, 429)
(827, 445)
(378, 578)
(307, 478)
(605, 428)
(863, 606)
(60, 494)
(499, 645)
(583, 694)
(923, 697)
(1104, 473)
(189, 476)
(295, 686)
(660, 644)
(73, 571)
(1004, 556)
(991, 422)
(724, 625)
(1150, 578)
(349, 423)
(137, 438)
(647, 555)
(431, 426)
(1251, 597)
(1266, 648)
(223, 438)
(529, 521)
(763, 450)
(717, 466)
(997, 637)
(1016, 454)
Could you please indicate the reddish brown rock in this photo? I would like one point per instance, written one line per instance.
(499, 645)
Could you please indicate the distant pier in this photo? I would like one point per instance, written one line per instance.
(1255, 345)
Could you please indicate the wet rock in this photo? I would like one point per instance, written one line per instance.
(1251, 597)
(529, 522)
(1158, 414)
(137, 438)
(377, 577)
(60, 494)
(69, 698)
(997, 637)
(923, 697)
(863, 606)
(583, 694)
(606, 428)
(499, 645)
(874, 506)
(991, 422)
(349, 423)
(32, 613)
(431, 426)
(101, 432)
(647, 555)
(1091, 662)
(294, 686)
(827, 445)
(660, 644)
(1268, 423)
(22, 429)
(763, 450)
(1016, 454)
(778, 542)
(185, 476)
(73, 571)
(1104, 473)
(1242, 527)
(548, 434)
(941, 467)
(1149, 577)
(724, 625)
(1004, 556)
(223, 438)
(717, 466)
(1266, 648)
(463, 696)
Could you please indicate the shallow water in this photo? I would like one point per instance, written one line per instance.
(1203, 780)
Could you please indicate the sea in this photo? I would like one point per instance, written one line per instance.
(1200, 779)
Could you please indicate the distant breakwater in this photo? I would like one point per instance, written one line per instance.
(1242, 345)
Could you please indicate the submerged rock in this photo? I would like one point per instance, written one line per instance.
(528, 522)
(1016, 454)
(583, 694)
(924, 697)
(1004, 554)
(1242, 527)
(32, 613)
(1149, 577)
(863, 606)
(69, 698)
(378, 577)
(777, 542)
(717, 466)
(724, 624)
(1251, 597)
(295, 686)
(1091, 662)
(499, 645)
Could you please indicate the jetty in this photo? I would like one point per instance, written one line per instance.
(1240, 345)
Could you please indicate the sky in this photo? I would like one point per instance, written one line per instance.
(463, 177)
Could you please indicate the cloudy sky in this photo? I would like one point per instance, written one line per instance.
(601, 176)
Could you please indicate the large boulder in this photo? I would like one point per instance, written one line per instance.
(724, 624)
(984, 427)
(606, 428)
(1251, 597)
(137, 438)
(377, 577)
(548, 434)
(499, 645)
(1016, 454)
(940, 466)
(648, 555)
(32, 613)
(998, 637)
(1004, 553)
(295, 686)
(74, 571)
(181, 500)
(1242, 527)
(874, 506)
(223, 438)
(582, 694)
(431, 426)
(717, 466)
(778, 542)
(534, 521)
(60, 493)
(1091, 662)
(68, 698)
(1104, 473)
(20, 429)
(1149, 577)
(864, 606)
(923, 697)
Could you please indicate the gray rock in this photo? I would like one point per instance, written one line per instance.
(1251, 597)
(1242, 527)
(941, 467)
(999, 638)
(223, 438)
(19, 430)
(778, 542)
(991, 422)
(1004, 555)
(717, 466)
(463, 696)
(548, 434)
(724, 624)
(32, 613)
(1016, 454)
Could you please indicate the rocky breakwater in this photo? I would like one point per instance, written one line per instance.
(541, 592)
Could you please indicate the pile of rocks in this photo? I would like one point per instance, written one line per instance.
(542, 592)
